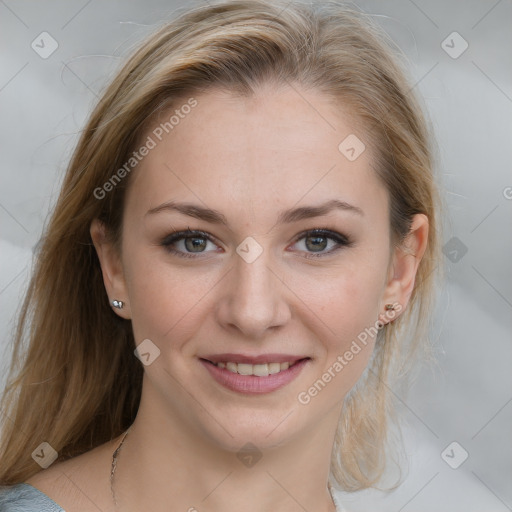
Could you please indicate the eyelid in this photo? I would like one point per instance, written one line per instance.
(324, 232)
(340, 239)
(177, 236)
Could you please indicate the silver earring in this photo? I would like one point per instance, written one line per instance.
(389, 307)
(117, 304)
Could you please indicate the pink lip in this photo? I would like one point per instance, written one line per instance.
(251, 384)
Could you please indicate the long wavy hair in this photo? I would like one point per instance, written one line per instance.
(74, 381)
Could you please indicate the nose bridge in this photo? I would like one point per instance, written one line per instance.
(254, 300)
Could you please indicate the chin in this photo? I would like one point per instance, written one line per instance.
(265, 429)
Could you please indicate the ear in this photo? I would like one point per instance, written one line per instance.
(404, 265)
(111, 268)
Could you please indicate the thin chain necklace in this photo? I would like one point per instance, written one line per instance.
(114, 466)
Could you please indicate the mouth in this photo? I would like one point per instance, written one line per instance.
(257, 370)
(254, 378)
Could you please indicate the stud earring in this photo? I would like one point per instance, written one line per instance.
(117, 304)
(389, 307)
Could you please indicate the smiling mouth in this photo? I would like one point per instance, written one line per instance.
(257, 370)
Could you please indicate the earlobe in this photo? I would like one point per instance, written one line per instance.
(111, 268)
(406, 259)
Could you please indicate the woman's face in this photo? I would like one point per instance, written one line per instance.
(252, 282)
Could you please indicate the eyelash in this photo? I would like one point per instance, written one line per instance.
(340, 239)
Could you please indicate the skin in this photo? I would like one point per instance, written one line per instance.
(248, 158)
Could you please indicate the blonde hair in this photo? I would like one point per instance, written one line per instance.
(76, 384)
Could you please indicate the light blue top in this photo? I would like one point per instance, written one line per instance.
(26, 498)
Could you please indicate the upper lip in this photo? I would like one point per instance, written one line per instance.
(260, 359)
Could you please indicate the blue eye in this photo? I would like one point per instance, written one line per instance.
(188, 244)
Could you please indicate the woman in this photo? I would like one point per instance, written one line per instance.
(240, 260)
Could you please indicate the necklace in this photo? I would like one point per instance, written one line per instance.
(114, 466)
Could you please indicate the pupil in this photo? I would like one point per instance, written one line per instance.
(318, 243)
(195, 243)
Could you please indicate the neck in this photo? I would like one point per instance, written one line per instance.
(164, 462)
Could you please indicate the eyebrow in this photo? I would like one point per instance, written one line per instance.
(284, 217)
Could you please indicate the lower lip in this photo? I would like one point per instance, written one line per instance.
(251, 384)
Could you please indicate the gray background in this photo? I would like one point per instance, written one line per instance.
(466, 397)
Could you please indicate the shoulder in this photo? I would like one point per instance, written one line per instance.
(26, 498)
(78, 484)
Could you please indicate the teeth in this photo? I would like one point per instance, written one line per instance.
(274, 368)
(232, 367)
(244, 369)
(259, 370)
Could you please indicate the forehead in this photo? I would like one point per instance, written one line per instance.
(280, 146)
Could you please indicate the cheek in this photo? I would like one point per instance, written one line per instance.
(164, 299)
(348, 300)
(350, 312)
(346, 310)
(339, 304)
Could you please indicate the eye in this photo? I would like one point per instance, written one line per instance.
(188, 243)
(316, 241)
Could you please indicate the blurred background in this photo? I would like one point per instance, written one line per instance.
(58, 55)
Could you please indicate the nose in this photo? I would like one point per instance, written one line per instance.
(254, 299)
